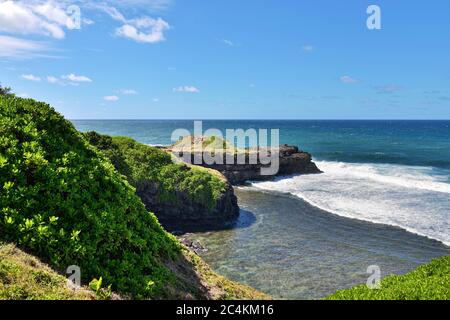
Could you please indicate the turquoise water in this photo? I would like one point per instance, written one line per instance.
(383, 199)
(284, 246)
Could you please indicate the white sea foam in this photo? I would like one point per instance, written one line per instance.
(157, 145)
(412, 198)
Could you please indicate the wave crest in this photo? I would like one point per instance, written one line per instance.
(412, 198)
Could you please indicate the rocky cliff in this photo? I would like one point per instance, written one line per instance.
(291, 161)
(182, 213)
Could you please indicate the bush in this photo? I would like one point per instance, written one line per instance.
(4, 91)
(428, 282)
(62, 200)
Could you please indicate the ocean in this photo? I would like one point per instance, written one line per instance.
(383, 199)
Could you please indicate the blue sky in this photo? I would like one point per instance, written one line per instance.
(229, 59)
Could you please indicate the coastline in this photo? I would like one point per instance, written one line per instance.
(353, 243)
(307, 253)
(253, 183)
(412, 198)
(337, 213)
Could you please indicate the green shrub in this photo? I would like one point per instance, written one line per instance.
(4, 91)
(141, 163)
(428, 282)
(62, 200)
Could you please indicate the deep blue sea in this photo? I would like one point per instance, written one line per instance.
(417, 143)
(384, 198)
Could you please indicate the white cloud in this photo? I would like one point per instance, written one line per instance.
(228, 42)
(148, 5)
(50, 18)
(52, 79)
(34, 17)
(187, 89)
(111, 11)
(31, 77)
(128, 92)
(74, 78)
(88, 21)
(144, 30)
(111, 98)
(55, 14)
(11, 47)
(70, 79)
(155, 99)
(348, 79)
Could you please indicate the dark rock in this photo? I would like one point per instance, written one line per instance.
(185, 213)
(195, 245)
(292, 161)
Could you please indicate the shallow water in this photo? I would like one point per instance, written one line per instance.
(283, 246)
(416, 199)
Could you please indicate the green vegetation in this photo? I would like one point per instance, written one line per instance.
(428, 282)
(213, 145)
(142, 164)
(65, 202)
(210, 144)
(4, 91)
(23, 277)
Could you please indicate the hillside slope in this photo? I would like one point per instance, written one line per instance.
(23, 277)
(63, 201)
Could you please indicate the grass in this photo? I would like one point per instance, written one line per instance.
(213, 145)
(204, 143)
(428, 282)
(24, 277)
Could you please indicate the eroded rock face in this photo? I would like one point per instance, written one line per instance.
(185, 215)
(291, 161)
(182, 213)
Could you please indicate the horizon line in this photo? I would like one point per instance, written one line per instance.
(248, 119)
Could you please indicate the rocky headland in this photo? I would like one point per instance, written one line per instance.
(291, 159)
(187, 197)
